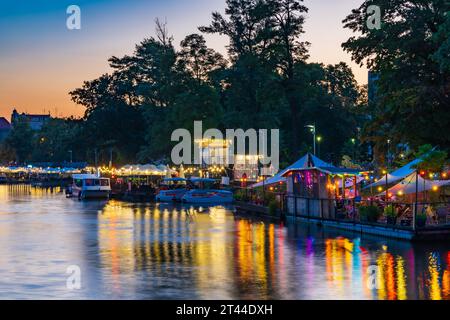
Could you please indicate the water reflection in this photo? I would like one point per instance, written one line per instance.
(134, 251)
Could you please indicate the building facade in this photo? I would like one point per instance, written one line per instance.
(36, 121)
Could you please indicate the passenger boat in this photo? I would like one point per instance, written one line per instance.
(204, 192)
(172, 190)
(89, 186)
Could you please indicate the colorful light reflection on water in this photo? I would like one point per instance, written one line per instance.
(138, 251)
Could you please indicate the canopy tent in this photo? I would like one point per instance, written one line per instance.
(143, 170)
(307, 161)
(408, 185)
(397, 175)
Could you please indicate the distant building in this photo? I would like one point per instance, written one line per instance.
(372, 86)
(5, 128)
(36, 121)
(219, 153)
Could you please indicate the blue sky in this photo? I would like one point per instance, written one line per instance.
(41, 61)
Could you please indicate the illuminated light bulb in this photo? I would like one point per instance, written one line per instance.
(435, 188)
(444, 175)
(400, 193)
(380, 189)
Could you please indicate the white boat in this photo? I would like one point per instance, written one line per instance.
(89, 186)
(172, 190)
(205, 194)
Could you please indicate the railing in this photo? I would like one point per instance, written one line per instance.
(258, 197)
(404, 215)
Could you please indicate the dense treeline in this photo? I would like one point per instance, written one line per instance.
(264, 82)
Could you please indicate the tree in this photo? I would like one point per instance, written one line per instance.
(53, 142)
(264, 48)
(410, 53)
(20, 140)
(7, 154)
(197, 59)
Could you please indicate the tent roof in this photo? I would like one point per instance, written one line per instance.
(308, 161)
(397, 175)
(408, 185)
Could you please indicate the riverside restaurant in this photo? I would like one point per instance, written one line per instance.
(403, 204)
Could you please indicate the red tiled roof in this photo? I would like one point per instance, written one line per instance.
(4, 124)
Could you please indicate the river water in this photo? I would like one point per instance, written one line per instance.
(57, 248)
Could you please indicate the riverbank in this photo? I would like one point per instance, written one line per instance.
(427, 233)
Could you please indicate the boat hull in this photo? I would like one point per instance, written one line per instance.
(170, 195)
(100, 194)
(89, 194)
(208, 196)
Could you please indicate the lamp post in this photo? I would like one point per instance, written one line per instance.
(312, 128)
(319, 140)
(387, 189)
(389, 153)
(71, 155)
(354, 151)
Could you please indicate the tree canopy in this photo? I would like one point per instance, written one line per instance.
(410, 53)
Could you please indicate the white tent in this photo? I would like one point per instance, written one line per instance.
(397, 175)
(408, 185)
(142, 169)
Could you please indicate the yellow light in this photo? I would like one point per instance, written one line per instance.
(380, 189)
(400, 193)
(384, 172)
(435, 188)
(431, 175)
(444, 175)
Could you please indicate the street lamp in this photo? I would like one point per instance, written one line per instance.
(312, 128)
(319, 140)
(354, 149)
(389, 153)
(71, 154)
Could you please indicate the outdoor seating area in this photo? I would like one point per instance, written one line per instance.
(314, 189)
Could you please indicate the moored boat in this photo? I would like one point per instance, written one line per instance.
(89, 186)
(206, 192)
(172, 190)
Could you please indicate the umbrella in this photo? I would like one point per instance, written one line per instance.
(181, 174)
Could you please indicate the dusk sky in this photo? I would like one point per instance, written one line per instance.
(41, 60)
